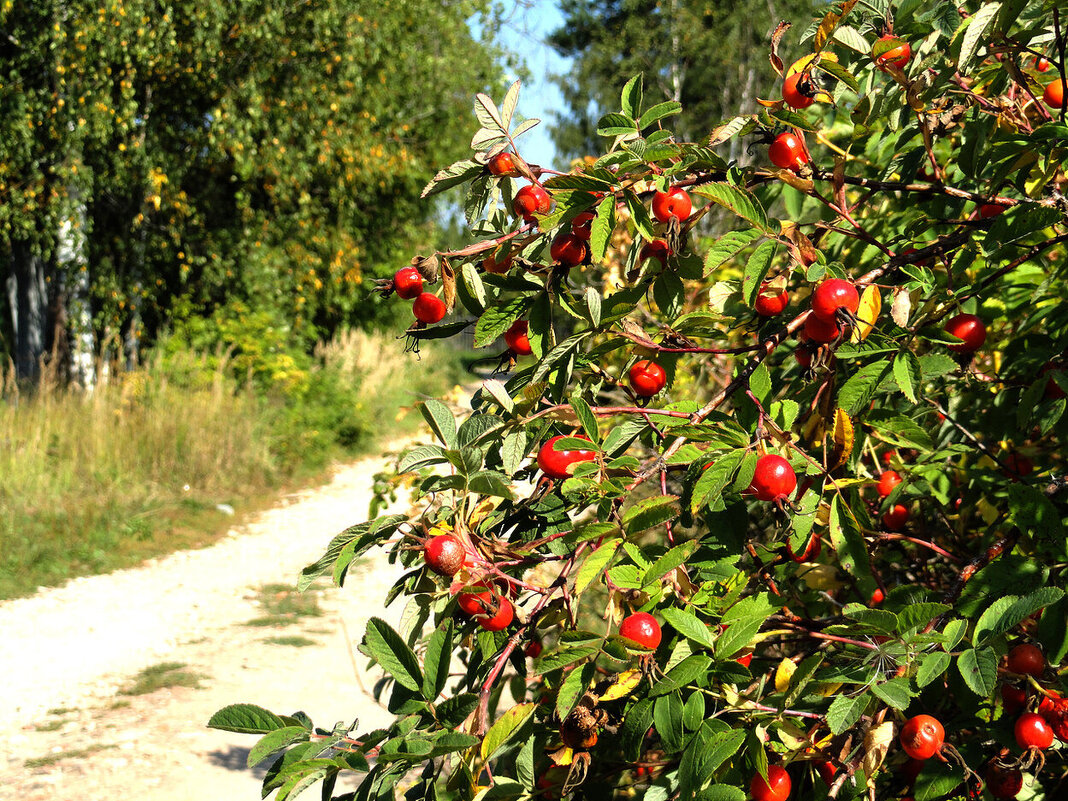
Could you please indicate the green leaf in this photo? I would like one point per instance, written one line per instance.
(635, 724)
(490, 482)
(669, 561)
(567, 653)
(505, 727)
(845, 711)
(1009, 612)
(915, 615)
(975, 27)
(601, 230)
(908, 374)
(727, 247)
(631, 98)
(496, 320)
(649, 513)
(616, 125)
(723, 792)
(437, 659)
(274, 741)
(593, 303)
(595, 564)
(440, 420)
(387, 648)
(586, 418)
(572, 688)
(688, 625)
(756, 269)
(848, 541)
(658, 112)
(421, 457)
(895, 692)
(245, 719)
(839, 72)
(1033, 513)
(979, 669)
(862, 386)
(639, 215)
(738, 201)
(686, 672)
(932, 666)
(715, 478)
(303, 775)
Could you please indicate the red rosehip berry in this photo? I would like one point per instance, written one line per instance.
(1018, 466)
(503, 165)
(826, 770)
(408, 283)
(500, 614)
(1054, 94)
(969, 328)
(775, 788)
(475, 599)
(1027, 660)
(568, 249)
(641, 629)
(897, 52)
(444, 554)
(1032, 731)
(533, 649)
(582, 225)
(428, 308)
(1014, 698)
(788, 152)
(1003, 782)
(887, 481)
(770, 303)
(531, 200)
(774, 479)
(745, 660)
(1053, 389)
(647, 378)
(561, 464)
(832, 296)
(812, 549)
(988, 210)
(877, 597)
(792, 92)
(821, 331)
(895, 518)
(491, 265)
(673, 203)
(1041, 64)
(657, 249)
(922, 737)
(517, 340)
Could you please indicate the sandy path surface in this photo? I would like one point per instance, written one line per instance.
(67, 652)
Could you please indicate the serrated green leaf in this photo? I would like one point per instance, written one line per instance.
(979, 669)
(669, 561)
(586, 418)
(908, 373)
(727, 247)
(894, 692)
(688, 624)
(595, 564)
(505, 727)
(738, 201)
(932, 666)
(436, 661)
(274, 741)
(441, 421)
(574, 685)
(756, 269)
(245, 719)
(386, 647)
(649, 513)
(845, 711)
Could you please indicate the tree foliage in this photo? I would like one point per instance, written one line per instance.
(264, 153)
(807, 603)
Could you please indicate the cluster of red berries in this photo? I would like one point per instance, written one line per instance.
(445, 555)
(427, 307)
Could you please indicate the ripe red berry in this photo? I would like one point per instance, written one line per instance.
(988, 210)
(647, 378)
(491, 265)
(582, 225)
(533, 649)
(475, 599)
(657, 249)
(803, 354)
(791, 91)
(577, 738)
(910, 770)
(408, 283)
(895, 518)
(1014, 698)
(887, 481)
(1032, 731)
(568, 249)
(1027, 660)
(769, 303)
(560, 464)
(500, 615)
(775, 788)
(969, 328)
(1055, 713)
(922, 737)
(1041, 64)
(517, 340)
(531, 200)
(673, 203)
(877, 597)
(774, 479)
(833, 295)
(788, 152)
(1053, 389)
(503, 165)
(820, 330)
(444, 554)
(745, 660)
(826, 770)
(641, 629)
(1054, 94)
(1003, 782)
(428, 308)
(897, 52)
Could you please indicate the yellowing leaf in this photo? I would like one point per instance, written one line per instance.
(822, 577)
(843, 437)
(901, 306)
(871, 303)
(624, 683)
(504, 727)
(830, 22)
(783, 673)
(876, 743)
(805, 62)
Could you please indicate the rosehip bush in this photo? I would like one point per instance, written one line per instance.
(817, 518)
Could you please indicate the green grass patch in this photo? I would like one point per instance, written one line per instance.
(60, 756)
(94, 483)
(163, 675)
(294, 641)
(284, 606)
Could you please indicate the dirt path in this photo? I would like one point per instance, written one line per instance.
(67, 652)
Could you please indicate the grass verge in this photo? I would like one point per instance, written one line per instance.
(158, 677)
(147, 463)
